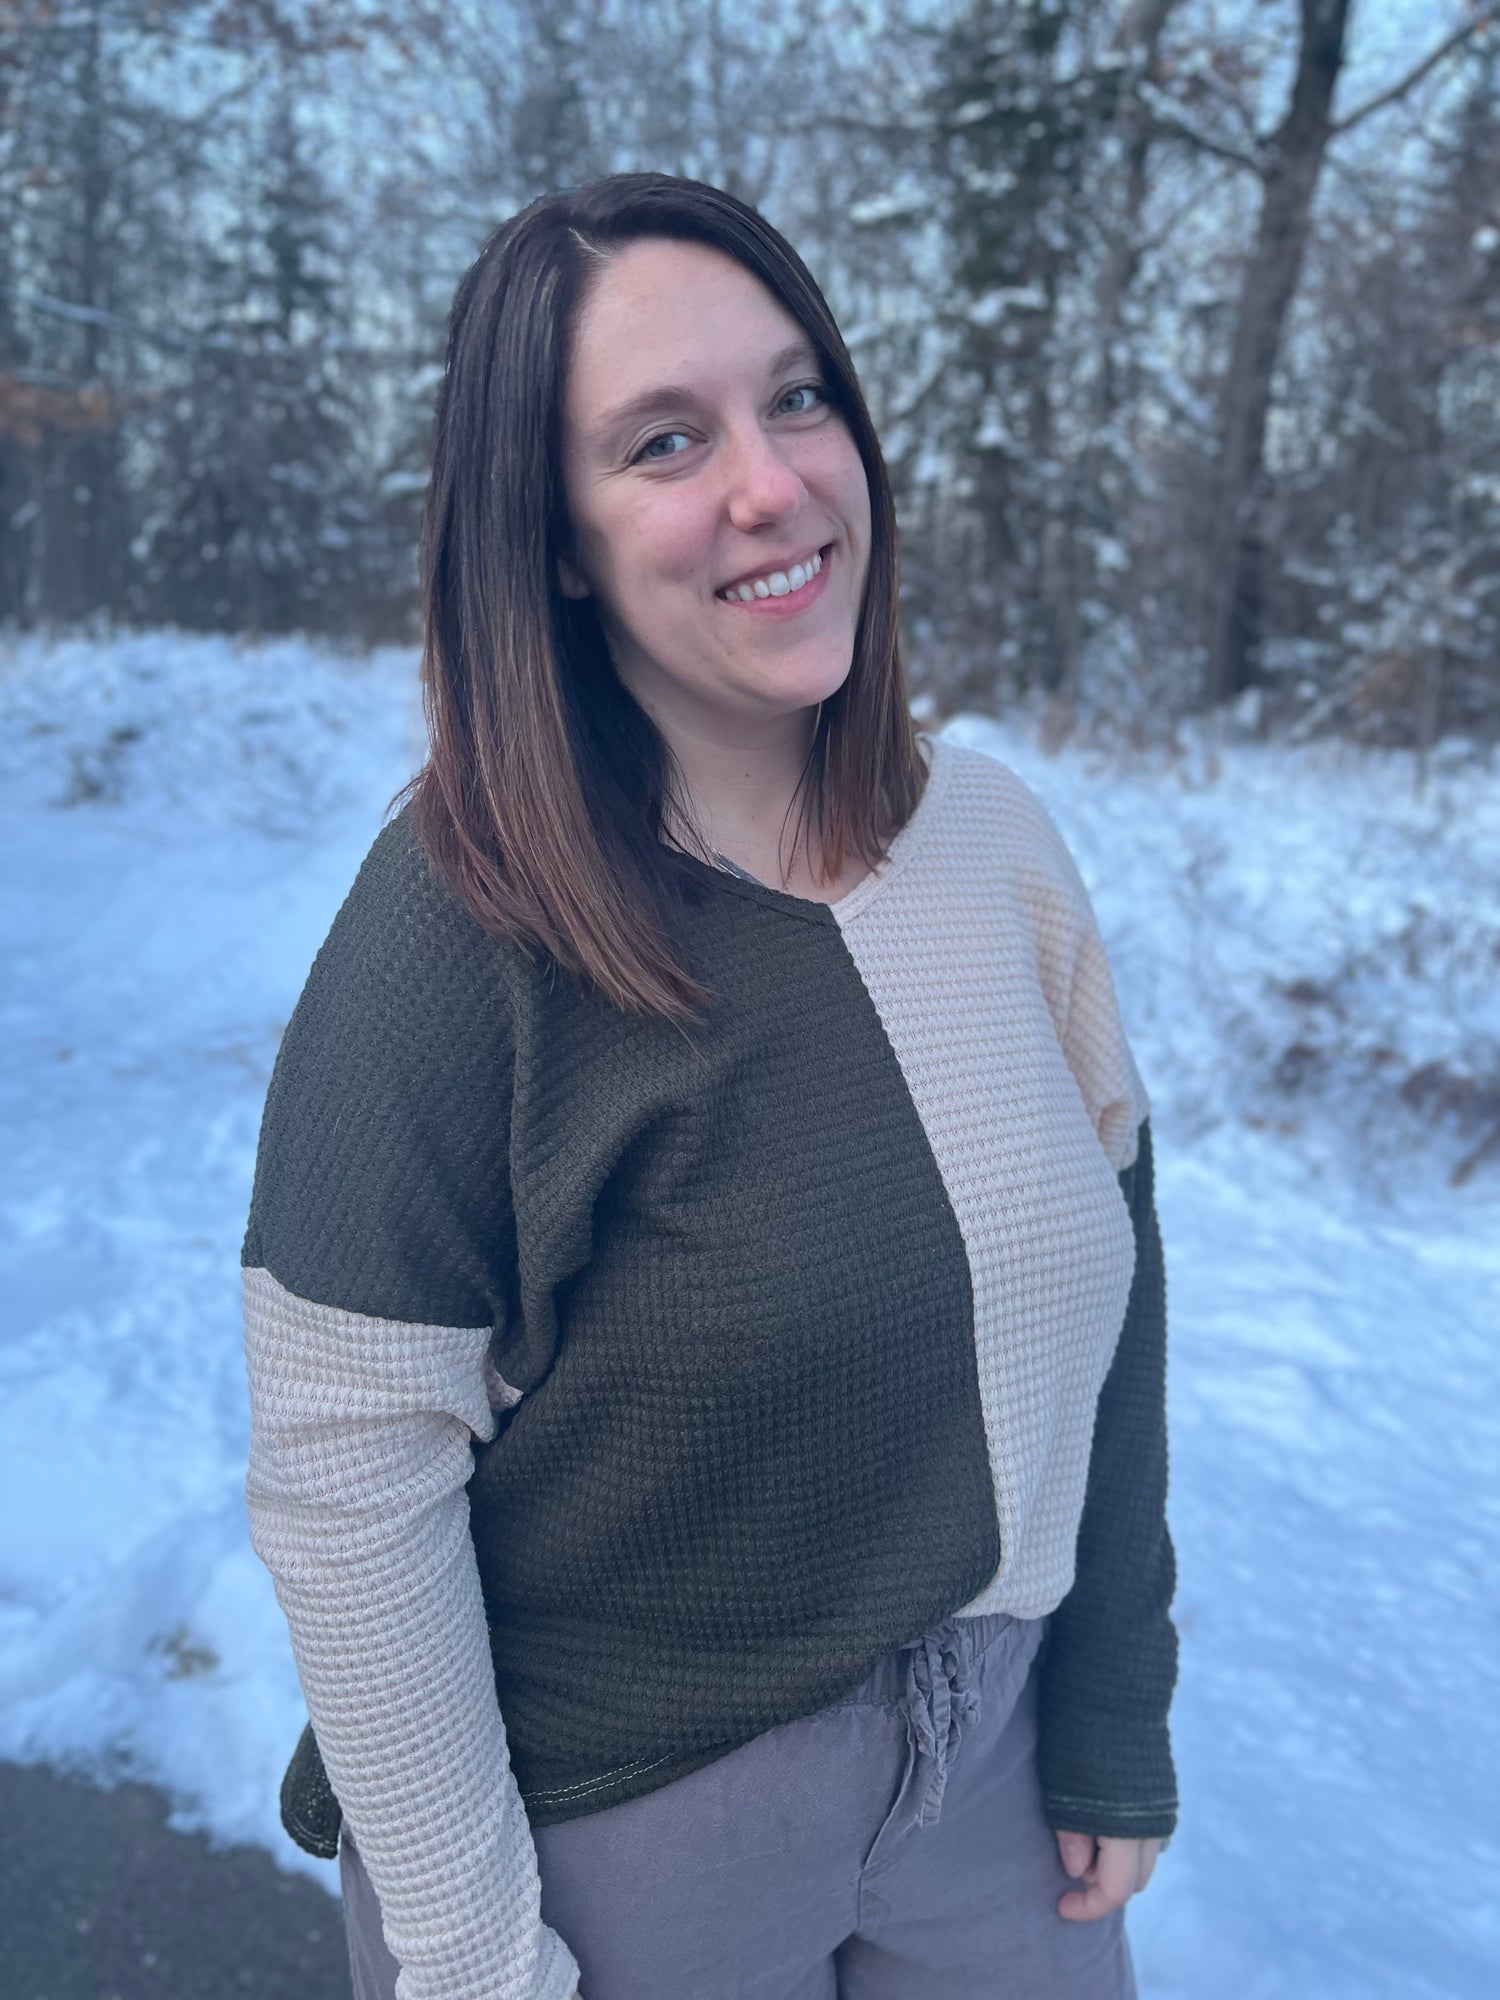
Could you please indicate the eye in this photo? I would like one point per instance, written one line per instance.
(805, 389)
(648, 450)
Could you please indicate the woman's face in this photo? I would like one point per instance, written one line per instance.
(699, 453)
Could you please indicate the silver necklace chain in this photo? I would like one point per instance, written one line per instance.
(733, 868)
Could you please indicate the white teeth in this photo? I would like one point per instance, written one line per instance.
(780, 582)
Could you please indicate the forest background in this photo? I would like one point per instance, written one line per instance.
(1180, 319)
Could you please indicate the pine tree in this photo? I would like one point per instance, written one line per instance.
(1020, 106)
(261, 517)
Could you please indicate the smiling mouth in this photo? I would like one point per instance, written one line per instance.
(777, 586)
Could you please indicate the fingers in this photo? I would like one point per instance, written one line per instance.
(1112, 1871)
(1077, 1851)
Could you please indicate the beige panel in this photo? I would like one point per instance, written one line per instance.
(981, 953)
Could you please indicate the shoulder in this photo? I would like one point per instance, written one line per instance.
(1000, 811)
(401, 938)
(407, 989)
(385, 1123)
(1024, 859)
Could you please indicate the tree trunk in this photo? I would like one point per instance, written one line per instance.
(1294, 159)
(89, 489)
(1138, 39)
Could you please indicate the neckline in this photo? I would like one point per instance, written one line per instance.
(896, 858)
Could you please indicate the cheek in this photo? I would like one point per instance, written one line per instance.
(666, 540)
(858, 489)
(836, 472)
(682, 537)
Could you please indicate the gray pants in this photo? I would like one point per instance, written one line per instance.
(890, 1847)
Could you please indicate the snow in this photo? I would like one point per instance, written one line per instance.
(159, 927)
(1307, 955)
(992, 307)
(897, 206)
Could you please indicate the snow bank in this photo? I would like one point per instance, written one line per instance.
(179, 820)
(1305, 940)
(1307, 955)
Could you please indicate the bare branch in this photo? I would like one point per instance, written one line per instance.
(879, 128)
(1173, 121)
(1465, 32)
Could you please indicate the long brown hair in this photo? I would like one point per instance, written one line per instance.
(541, 802)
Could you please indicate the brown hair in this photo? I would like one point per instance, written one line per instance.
(542, 798)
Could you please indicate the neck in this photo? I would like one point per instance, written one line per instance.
(738, 795)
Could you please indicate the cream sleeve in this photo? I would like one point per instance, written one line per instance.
(360, 1453)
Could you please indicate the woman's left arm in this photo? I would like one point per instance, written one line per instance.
(1109, 1664)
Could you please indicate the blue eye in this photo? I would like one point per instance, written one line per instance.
(809, 389)
(648, 449)
(660, 438)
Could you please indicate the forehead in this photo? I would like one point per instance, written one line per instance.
(662, 311)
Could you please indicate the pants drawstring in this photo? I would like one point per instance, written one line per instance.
(941, 1701)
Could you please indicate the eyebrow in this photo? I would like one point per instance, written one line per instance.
(671, 395)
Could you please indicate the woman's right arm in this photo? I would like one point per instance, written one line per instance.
(376, 1268)
(360, 1452)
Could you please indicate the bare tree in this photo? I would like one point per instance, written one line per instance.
(1293, 157)
(1089, 502)
(1289, 163)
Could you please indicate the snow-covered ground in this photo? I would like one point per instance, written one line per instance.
(1309, 962)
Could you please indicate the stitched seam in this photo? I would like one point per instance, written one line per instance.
(1107, 1805)
(756, 892)
(314, 1836)
(596, 1784)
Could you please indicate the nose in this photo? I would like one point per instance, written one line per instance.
(760, 483)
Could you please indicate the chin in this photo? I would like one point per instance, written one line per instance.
(822, 686)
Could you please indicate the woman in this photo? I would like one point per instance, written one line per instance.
(704, 1307)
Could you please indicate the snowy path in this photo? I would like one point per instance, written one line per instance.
(1336, 1366)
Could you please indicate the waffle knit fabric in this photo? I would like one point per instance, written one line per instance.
(620, 1391)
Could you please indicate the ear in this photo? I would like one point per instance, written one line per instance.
(569, 581)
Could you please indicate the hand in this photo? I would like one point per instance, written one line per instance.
(1113, 1870)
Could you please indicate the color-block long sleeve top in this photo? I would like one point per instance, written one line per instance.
(621, 1389)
